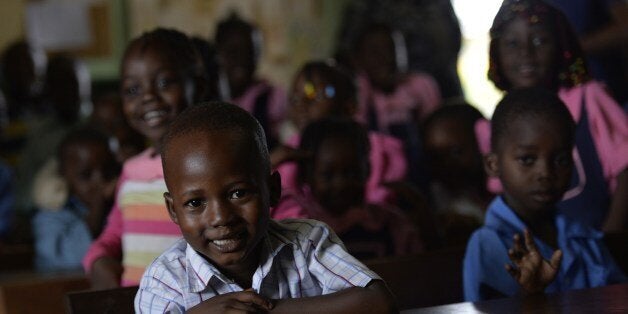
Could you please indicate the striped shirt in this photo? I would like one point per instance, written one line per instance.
(138, 228)
(299, 258)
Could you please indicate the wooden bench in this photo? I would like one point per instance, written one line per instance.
(30, 292)
(119, 301)
(428, 279)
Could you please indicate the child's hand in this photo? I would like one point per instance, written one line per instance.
(247, 301)
(530, 270)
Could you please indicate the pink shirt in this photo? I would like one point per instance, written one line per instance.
(417, 93)
(387, 159)
(608, 125)
(277, 103)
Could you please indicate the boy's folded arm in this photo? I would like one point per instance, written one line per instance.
(374, 298)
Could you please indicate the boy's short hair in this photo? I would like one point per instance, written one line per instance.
(219, 116)
(529, 102)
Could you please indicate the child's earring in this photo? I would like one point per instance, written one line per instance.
(490, 165)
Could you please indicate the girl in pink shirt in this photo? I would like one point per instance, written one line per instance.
(323, 90)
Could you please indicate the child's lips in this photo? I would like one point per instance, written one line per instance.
(154, 117)
(544, 196)
(229, 243)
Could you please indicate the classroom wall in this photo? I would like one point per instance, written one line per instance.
(11, 26)
(294, 30)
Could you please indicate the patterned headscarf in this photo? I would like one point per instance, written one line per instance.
(571, 67)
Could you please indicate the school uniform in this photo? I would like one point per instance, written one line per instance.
(299, 258)
(600, 152)
(586, 262)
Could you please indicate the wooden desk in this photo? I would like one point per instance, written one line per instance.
(610, 299)
(30, 292)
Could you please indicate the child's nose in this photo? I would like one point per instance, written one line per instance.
(149, 93)
(220, 214)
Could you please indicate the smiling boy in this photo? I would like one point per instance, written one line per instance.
(233, 256)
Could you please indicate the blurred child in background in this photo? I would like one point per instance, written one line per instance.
(457, 192)
(238, 48)
(90, 171)
(322, 90)
(161, 74)
(332, 189)
(108, 117)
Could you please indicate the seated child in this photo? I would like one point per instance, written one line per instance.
(389, 97)
(456, 187)
(233, 256)
(532, 44)
(531, 142)
(324, 90)
(332, 186)
(238, 50)
(89, 169)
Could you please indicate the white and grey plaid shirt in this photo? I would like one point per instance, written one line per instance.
(301, 258)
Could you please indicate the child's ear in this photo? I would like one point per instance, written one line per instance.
(274, 188)
(170, 206)
(490, 165)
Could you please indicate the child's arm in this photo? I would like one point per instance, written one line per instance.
(530, 270)
(374, 298)
(244, 301)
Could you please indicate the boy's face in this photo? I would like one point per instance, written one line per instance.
(154, 92)
(310, 102)
(338, 176)
(89, 169)
(219, 195)
(527, 54)
(453, 155)
(534, 162)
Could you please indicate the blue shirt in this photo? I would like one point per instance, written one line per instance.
(299, 258)
(61, 237)
(586, 261)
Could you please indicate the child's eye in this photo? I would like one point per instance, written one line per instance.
(163, 83)
(131, 91)
(238, 194)
(194, 203)
(526, 160)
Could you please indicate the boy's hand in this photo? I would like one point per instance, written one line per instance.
(530, 270)
(247, 301)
